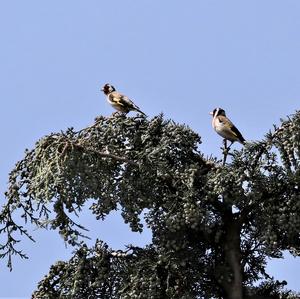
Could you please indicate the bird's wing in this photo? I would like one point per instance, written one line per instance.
(227, 123)
(122, 100)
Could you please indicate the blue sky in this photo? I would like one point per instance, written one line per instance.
(182, 58)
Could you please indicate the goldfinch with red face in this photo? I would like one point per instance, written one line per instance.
(119, 101)
(225, 128)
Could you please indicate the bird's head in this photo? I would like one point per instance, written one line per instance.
(217, 112)
(107, 88)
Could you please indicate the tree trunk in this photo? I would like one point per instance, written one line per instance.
(232, 254)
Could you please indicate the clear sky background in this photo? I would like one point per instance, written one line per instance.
(182, 58)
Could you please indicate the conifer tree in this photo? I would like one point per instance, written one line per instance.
(213, 224)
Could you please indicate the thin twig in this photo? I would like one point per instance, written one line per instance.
(225, 151)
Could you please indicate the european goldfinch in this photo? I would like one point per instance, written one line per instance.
(119, 101)
(225, 128)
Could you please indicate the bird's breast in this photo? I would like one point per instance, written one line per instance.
(216, 124)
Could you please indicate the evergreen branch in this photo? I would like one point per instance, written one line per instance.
(105, 155)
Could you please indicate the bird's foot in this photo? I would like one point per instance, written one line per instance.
(225, 151)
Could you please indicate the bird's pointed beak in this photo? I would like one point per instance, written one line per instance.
(211, 113)
(102, 89)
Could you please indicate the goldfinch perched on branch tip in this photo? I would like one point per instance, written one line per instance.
(225, 128)
(119, 101)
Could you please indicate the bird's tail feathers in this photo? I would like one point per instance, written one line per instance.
(138, 110)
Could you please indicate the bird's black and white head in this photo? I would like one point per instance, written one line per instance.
(217, 112)
(107, 89)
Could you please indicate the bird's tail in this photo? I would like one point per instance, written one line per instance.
(138, 110)
(242, 140)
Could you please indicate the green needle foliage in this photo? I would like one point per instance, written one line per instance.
(213, 224)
